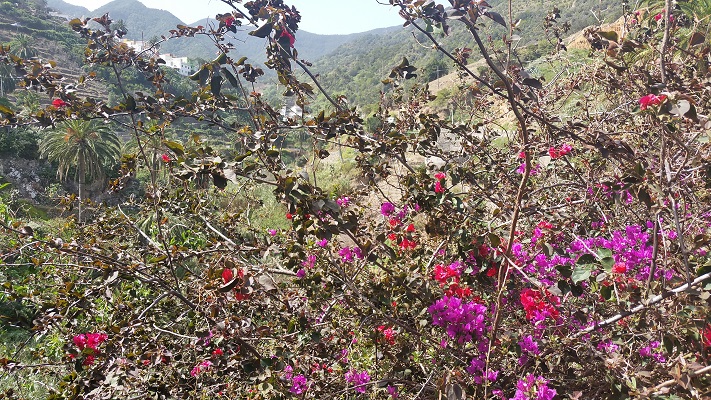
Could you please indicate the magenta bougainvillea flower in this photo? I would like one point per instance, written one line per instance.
(358, 379)
(533, 388)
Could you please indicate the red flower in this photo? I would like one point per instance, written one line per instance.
(492, 272)
(650, 100)
(388, 334)
(438, 187)
(229, 21)
(440, 176)
(165, 158)
(217, 352)
(539, 306)
(619, 268)
(706, 336)
(410, 228)
(289, 216)
(442, 273)
(227, 275)
(287, 34)
(392, 237)
(59, 103)
(658, 17)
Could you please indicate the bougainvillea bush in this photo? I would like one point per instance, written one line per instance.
(556, 248)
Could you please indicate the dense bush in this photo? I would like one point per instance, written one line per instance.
(534, 254)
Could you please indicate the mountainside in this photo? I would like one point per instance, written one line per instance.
(354, 64)
(68, 9)
(356, 68)
(145, 23)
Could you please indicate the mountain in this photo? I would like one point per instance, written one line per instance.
(354, 64)
(146, 23)
(67, 9)
(356, 68)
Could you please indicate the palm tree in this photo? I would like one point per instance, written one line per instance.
(22, 46)
(84, 146)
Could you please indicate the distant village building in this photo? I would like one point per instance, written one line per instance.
(179, 64)
(137, 45)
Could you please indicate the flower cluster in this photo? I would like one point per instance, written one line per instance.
(564, 149)
(388, 334)
(442, 273)
(88, 344)
(202, 367)
(477, 367)
(343, 202)
(358, 379)
(528, 347)
(631, 248)
(608, 347)
(228, 275)
(348, 253)
(462, 320)
(387, 208)
(648, 351)
(533, 388)
(651, 100)
(299, 383)
(539, 306)
(438, 188)
(59, 103)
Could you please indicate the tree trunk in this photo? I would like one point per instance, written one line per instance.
(81, 183)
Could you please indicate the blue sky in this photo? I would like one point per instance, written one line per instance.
(318, 16)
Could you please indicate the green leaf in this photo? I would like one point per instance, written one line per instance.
(609, 35)
(263, 31)
(608, 263)
(495, 240)
(496, 17)
(606, 292)
(216, 85)
(175, 147)
(602, 253)
(585, 259)
(581, 273)
(130, 103)
(230, 77)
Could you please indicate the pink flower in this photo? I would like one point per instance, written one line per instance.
(658, 17)
(300, 273)
(387, 208)
(344, 201)
(272, 232)
(358, 379)
(440, 176)
(393, 391)
(322, 242)
(438, 187)
(650, 100)
(203, 366)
